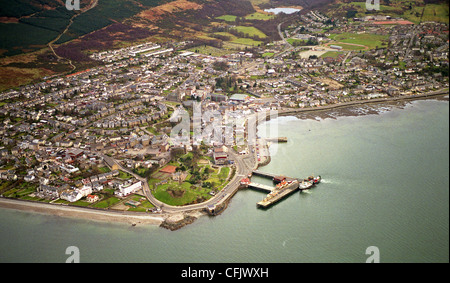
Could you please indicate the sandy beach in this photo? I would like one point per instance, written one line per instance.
(82, 213)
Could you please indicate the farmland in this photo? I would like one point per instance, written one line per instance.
(366, 39)
(250, 31)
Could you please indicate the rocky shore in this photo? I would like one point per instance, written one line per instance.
(178, 221)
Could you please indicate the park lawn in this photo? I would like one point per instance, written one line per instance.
(219, 178)
(268, 54)
(124, 175)
(152, 182)
(191, 193)
(350, 47)
(228, 18)
(260, 16)
(107, 202)
(367, 39)
(251, 31)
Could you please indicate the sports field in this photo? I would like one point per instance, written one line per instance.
(367, 39)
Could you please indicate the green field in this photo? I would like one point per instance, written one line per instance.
(236, 42)
(190, 193)
(350, 47)
(251, 31)
(432, 13)
(209, 50)
(174, 193)
(366, 39)
(268, 54)
(332, 54)
(409, 10)
(247, 41)
(228, 18)
(259, 16)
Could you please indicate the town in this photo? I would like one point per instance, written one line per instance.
(104, 137)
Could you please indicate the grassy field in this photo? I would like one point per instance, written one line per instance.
(107, 202)
(260, 16)
(268, 54)
(228, 18)
(251, 31)
(332, 54)
(366, 39)
(350, 47)
(188, 195)
(409, 10)
(174, 193)
(432, 13)
(247, 41)
(209, 50)
(237, 42)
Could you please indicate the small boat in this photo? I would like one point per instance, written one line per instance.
(317, 180)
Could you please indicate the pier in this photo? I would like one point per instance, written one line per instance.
(278, 195)
(263, 174)
(260, 187)
(278, 140)
(285, 187)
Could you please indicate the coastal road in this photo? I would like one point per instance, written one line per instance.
(242, 171)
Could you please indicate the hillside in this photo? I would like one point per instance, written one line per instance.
(414, 11)
(31, 30)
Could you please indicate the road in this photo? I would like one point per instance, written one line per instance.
(244, 165)
(92, 5)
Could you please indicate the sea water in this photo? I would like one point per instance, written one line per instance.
(385, 185)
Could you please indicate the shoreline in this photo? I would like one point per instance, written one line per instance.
(81, 213)
(136, 218)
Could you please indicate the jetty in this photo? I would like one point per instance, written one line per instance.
(283, 187)
(277, 140)
(278, 195)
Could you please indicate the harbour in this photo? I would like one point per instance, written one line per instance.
(285, 186)
(374, 192)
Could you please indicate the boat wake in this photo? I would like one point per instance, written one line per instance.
(287, 240)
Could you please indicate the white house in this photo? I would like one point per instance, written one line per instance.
(85, 190)
(128, 188)
(71, 196)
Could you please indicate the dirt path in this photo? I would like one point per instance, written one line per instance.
(50, 44)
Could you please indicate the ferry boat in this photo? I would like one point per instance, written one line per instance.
(281, 185)
(305, 185)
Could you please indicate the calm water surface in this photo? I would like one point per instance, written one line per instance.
(386, 184)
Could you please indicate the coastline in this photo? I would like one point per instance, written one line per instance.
(81, 213)
(136, 218)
